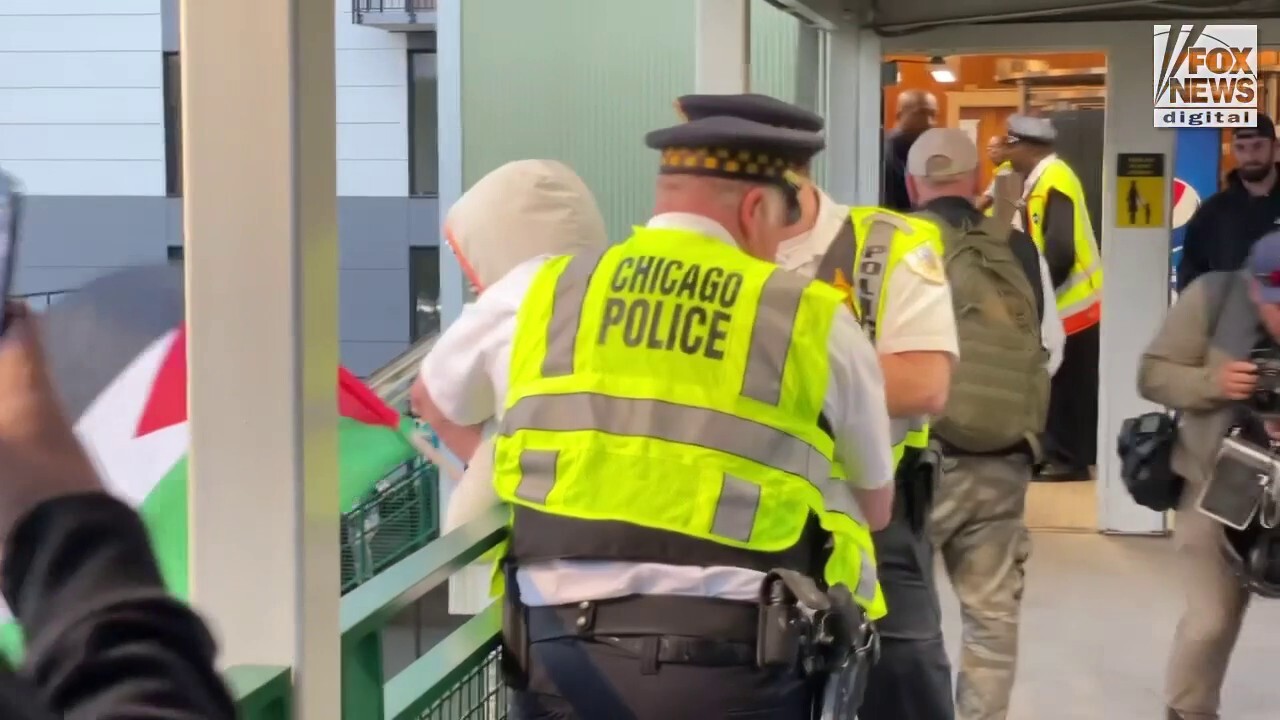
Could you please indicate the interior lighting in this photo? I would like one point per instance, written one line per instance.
(940, 71)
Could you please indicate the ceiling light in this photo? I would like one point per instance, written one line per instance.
(940, 71)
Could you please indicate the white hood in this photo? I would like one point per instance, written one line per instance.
(521, 210)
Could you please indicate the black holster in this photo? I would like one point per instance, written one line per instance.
(917, 476)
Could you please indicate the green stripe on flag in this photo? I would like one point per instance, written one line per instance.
(367, 453)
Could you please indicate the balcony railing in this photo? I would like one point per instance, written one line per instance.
(457, 679)
(400, 15)
(42, 300)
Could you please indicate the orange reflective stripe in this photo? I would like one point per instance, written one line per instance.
(1084, 319)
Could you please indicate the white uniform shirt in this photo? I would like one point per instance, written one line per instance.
(466, 373)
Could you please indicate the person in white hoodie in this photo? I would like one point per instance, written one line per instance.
(522, 210)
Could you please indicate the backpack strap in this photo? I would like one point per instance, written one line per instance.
(995, 227)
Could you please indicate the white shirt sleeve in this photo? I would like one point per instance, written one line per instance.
(466, 371)
(1051, 332)
(855, 405)
(918, 316)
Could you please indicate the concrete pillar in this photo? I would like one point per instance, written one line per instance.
(722, 42)
(1135, 291)
(262, 299)
(853, 116)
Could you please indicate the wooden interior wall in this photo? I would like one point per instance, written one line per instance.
(977, 72)
(973, 72)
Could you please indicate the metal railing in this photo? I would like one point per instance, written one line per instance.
(42, 300)
(407, 6)
(392, 381)
(457, 679)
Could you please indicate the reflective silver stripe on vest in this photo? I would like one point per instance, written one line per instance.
(662, 420)
(867, 578)
(873, 261)
(771, 336)
(736, 509)
(537, 475)
(566, 314)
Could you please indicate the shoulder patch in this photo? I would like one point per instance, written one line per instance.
(924, 262)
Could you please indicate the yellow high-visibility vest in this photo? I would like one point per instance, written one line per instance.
(667, 393)
(869, 248)
(1079, 298)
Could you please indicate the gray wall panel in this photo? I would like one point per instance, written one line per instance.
(374, 233)
(92, 231)
(68, 241)
(375, 305)
(170, 33)
(424, 222)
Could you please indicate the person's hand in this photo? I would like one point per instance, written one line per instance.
(1237, 379)
(40, 457)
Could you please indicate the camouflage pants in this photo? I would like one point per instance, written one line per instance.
(979, 528)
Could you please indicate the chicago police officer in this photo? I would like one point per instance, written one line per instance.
(669, 412)
(892, 264)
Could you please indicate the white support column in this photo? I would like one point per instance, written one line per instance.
(722, 57)
(853, 116)
(1135, 292)
(260, 168)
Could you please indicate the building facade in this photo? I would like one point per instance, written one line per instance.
(90, 122)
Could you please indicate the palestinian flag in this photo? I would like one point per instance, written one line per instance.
(118, 354)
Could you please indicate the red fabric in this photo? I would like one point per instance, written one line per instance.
(358, 402)
(167, 404)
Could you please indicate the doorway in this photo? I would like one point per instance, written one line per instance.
(978, 93)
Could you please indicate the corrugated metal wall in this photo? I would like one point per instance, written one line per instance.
(582, 81)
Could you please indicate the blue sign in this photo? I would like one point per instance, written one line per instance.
(1197, 160)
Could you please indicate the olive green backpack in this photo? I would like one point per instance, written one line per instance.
(1000, 387)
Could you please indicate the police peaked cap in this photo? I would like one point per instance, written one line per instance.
(750, 106)
(736, 149)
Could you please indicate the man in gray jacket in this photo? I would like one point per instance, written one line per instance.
(1198, 364)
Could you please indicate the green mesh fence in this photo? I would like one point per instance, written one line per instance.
(480, 695)
(393, 520)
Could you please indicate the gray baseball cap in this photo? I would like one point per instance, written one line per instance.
(942, 153)
(1264, 266)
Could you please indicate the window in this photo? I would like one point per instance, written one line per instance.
(424, 173)
(173, 124)
(424, 292)
(175, 255)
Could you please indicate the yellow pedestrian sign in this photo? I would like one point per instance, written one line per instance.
(1140, 180)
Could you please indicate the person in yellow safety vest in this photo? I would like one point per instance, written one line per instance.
(669, 414)
(998, 155)
(891, 263)
(1056, 216)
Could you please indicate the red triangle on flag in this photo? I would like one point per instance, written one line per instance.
(167, 404)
